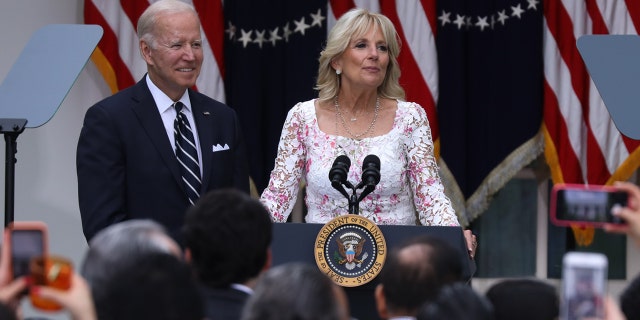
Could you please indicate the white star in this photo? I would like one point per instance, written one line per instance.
(301, 26)
(259, 38)
(444, 17)
(231, 31)
(245, 38)
(502, 17)
(317, 19)
(459, 21)
(517, 11)
(273, 36)
(533, 4)
(482, 23)
(286, 32)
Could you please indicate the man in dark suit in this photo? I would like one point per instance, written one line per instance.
(227, 241)
(127, 152)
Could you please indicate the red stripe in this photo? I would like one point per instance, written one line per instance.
(561, 27)
(633, 6)
(212, 19)
(557, 127)
(109, 46)
(412, 81)
(340, 7)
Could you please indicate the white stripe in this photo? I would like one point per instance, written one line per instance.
(421, 42)
(606, 134)
(210, 81)
(371, 5)
(578, 13)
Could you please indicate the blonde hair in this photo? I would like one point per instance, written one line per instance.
(355, 23)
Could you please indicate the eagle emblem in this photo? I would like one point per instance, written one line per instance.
(350, 246)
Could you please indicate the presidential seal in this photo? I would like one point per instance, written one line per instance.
(351, 250)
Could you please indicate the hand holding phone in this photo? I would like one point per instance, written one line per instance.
(630, 214)
(27, 239)
(584, 286)
(586, 205)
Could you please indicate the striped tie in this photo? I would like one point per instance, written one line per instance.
(187, 153)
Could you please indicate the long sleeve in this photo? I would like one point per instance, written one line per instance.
(281, 194)
(433, 206)
(101, 173)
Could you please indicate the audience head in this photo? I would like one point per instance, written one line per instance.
(117, 244)
(155, 286)
(524, 299)
(457, 301)
(630, 300)
(296, 291)
(413, 273)
(227, 238)
(352, 25)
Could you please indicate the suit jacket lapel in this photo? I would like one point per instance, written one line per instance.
(203, 116)
(147, 113)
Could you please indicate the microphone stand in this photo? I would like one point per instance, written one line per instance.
(354, 202)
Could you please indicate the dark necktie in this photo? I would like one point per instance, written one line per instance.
(187, 153)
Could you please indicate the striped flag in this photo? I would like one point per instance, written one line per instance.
(117, 56)
(582, 145)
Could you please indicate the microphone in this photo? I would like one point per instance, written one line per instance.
(338, 174)
(370, 175)
(370, 171)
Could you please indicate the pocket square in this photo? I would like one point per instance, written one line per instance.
(218, 147)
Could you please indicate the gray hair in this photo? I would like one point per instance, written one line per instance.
(353, 24)
(148, 19)
(293, 291)
(113, 246)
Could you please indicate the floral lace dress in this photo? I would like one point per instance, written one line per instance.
(410, 191)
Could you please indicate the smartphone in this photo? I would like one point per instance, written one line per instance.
(27, 239)
(586, 205)
(584, 285)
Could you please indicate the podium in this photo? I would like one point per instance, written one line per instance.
(294, 242)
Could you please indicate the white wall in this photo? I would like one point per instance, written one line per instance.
(46, 187)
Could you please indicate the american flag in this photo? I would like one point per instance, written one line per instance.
(582, 143)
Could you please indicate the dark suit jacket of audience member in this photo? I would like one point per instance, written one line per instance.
(223, 304)
(127, 167)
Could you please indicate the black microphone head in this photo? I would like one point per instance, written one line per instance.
(339, 170)
(371, 170)
(371, 160)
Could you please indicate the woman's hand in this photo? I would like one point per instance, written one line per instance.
(472, 242)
